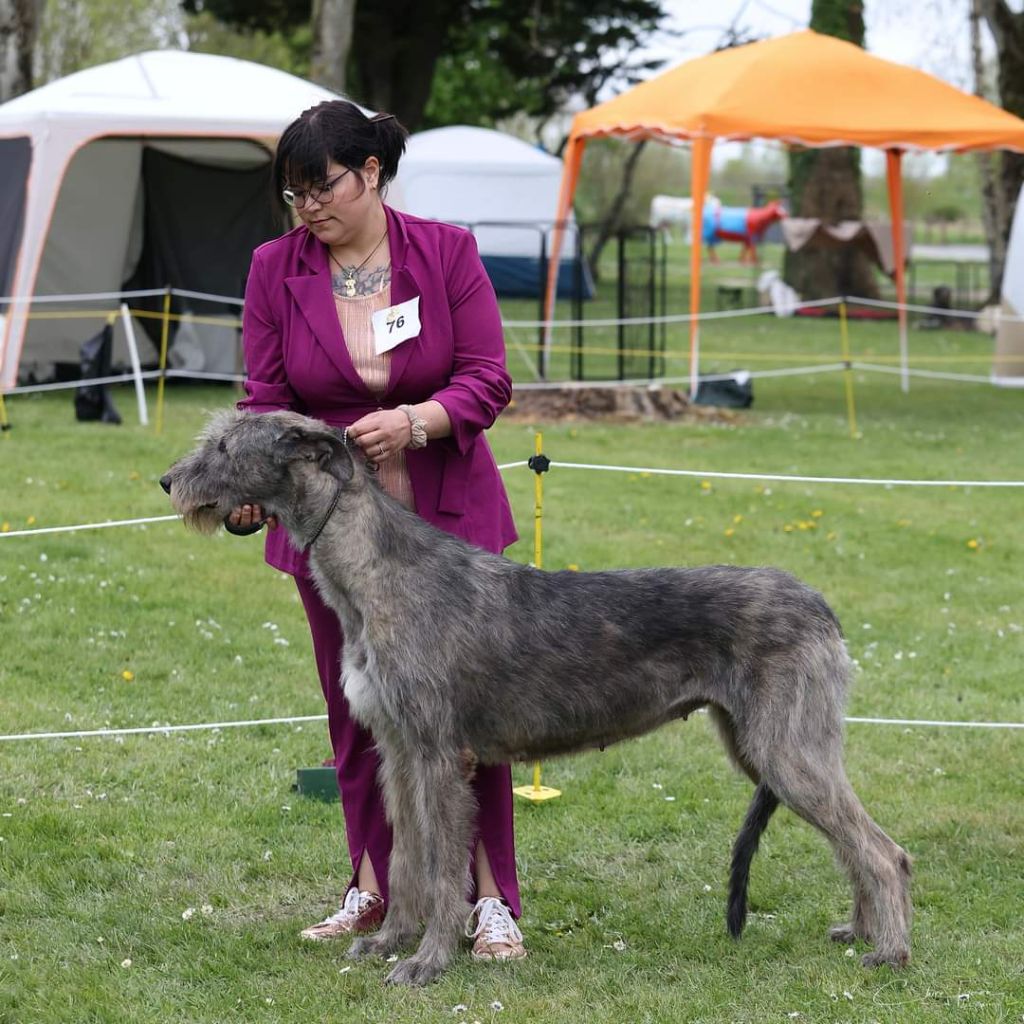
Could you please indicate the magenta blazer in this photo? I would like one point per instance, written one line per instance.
(297, 359)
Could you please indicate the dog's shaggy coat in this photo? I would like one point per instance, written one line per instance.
(454, 656)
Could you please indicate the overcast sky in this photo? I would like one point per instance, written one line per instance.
(927, 34)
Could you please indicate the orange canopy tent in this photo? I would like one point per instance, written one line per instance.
(804, 89)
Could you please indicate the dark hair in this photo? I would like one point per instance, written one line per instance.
(337, 130)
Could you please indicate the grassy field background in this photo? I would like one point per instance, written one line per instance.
(107, 844)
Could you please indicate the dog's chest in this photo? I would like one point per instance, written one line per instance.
(361, 690)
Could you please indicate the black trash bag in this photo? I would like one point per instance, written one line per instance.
(93, 401)
(736, 392)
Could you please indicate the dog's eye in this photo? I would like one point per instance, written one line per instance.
(222, 447)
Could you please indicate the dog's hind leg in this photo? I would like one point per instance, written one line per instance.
(879, 870)
(444, 813)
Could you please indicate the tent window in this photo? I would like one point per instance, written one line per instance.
(15, 158)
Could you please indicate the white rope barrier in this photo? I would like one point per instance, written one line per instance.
(935, 310)
(88, 526)
(967, 378)
(81, 296)
(648, 470)
(932, 722)
(157, 729)
(167, 730)
(67, 385)
(783, 478)
(140, 293)
(232, 300)
(673, 318)
(654, 383)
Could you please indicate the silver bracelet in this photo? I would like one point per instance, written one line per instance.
(418, 425)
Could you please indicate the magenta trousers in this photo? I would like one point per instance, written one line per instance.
(356, 761)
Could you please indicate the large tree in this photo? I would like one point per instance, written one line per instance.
(505, 57)
(1003, 172)
(472, 61)
(19, 25)
(826, 183)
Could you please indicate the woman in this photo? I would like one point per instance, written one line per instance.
(388, 325)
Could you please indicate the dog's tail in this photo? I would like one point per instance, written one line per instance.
(762, 807)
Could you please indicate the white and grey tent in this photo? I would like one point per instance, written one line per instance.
(1008, 365)
(147, 172)
(503, 189)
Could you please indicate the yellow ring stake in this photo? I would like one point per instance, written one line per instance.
(539, 464)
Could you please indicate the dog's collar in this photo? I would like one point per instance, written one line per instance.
(327, 515)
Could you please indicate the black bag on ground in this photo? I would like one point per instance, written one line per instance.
(93, 401)
(736, 392)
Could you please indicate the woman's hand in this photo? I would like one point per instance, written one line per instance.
(248, 516)
(380, 434)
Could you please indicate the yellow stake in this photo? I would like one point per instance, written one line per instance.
(537, 792)
(5, 426)
(165, 331)
(844, 333)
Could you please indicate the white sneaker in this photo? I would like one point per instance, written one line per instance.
(497, 936)
(360, 912)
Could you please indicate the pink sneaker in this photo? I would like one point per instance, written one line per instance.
(360, 912)
(497, 936)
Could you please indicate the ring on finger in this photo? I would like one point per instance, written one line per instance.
(380, 448)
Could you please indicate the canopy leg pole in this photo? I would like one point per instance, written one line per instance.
(895, 182)
(700, 171)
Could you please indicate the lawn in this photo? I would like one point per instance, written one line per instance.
(107, 844)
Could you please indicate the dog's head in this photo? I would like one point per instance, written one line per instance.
(262, 459)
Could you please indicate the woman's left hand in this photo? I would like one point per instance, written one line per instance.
(381, 434)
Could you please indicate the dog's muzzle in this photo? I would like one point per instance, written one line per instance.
(165, 483)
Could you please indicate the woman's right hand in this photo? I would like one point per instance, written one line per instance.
(250, 517)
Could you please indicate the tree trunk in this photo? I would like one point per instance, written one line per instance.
(826, 183)
(19, 25)
(613, 219)
(332, 22)
(394, 70)
(1002, 186)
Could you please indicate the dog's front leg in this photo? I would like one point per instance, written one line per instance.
(445, 812)
(405, 869)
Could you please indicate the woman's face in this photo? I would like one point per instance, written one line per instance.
(340, 215)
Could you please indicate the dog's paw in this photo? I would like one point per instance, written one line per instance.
(843, 933)
(364, 947)
(895, 959)
(413, 972)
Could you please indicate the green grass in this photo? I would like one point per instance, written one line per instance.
(109, 841)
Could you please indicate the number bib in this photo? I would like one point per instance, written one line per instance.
(395, 324)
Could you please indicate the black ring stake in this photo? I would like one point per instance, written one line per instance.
(539, 463)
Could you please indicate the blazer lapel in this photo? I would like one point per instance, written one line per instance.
(313, 295)
(403, 288)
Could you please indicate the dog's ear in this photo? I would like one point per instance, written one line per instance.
(321, 444)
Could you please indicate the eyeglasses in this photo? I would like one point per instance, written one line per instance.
(297, 197)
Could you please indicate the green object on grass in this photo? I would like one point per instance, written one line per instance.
(320, 783)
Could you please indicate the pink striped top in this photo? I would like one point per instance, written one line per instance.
(356, 318)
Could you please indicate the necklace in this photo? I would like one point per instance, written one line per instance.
(350, 274)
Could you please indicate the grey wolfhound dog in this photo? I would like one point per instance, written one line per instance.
(455, 657)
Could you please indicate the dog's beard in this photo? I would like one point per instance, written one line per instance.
(204, 519)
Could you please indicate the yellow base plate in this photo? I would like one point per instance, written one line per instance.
(537, 792)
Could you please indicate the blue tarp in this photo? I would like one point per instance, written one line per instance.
(525, 277)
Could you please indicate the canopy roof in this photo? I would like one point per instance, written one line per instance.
(805, 88)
